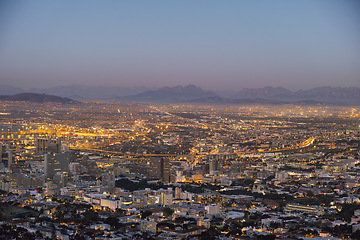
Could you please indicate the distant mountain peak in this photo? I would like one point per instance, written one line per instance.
(180, 88)
(77, 91)
(177, 93)
(336, 95)
(265, 92)
(10, 90)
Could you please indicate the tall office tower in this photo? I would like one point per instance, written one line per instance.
(89, 166)
(46, 145)
(2, 149)
(61, 179)
(160, 168)
(58, 162)
(6, 158)
(75, 168)
(213, 167)
(108, 179)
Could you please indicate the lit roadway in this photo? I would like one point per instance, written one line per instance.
(85, 133)
(306, 143)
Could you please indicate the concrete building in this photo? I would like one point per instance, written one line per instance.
(103, 201)
(213, 167)
(6, 158)
(148, 226)
(53, 163)
(166, 198)
(48, 145)
(108, 179)
(61, 179)
(75, 168)
(160, 168)
(316, 210)
(282, 175)
(178, 193)
(212, 209)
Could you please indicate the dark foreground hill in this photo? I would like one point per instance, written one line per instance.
(36, 98)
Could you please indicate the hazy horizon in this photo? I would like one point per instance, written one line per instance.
(214, 45)
(234, 90)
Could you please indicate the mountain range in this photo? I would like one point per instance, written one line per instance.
(268, 95)
(171, 94)
(334, 95)
(192, 93)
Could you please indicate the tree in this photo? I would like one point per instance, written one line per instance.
(77, 236)
(146, 214)
(53, 231)
(112, 221)
(266, 237)
(38, 234)
(90, 216)
(274, 225)
(209, 234)
(309, 193)
(356, 235)
(146, 236)
(167, 212)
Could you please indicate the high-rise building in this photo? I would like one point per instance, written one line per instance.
(166, 198)
(48, 145)
(108, 179)
(61, 179)
(58, 162)
(5, 157)
(75, 168)
(160, 168)
(212, 209)
(178, 193)
(213, 167)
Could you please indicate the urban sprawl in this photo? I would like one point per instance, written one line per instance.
(149, 171)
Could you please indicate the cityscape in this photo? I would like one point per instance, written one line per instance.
(186, 120)
(96, 170)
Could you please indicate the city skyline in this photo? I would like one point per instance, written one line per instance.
(216, 46)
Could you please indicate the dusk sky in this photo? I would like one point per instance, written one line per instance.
(225, 45)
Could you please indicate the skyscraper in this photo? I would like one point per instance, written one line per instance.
(160, 168)
(58, 162)
(5, 156)
(46, 145)
(213, 166)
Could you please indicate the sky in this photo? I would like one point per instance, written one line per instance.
(217, 45)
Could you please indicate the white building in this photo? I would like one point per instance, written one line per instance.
(102, 200)
(166, 198)
(212, 209)
(281, 175)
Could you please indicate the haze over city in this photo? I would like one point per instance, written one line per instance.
(213, 44)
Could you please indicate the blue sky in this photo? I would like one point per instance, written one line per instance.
(223, 45)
